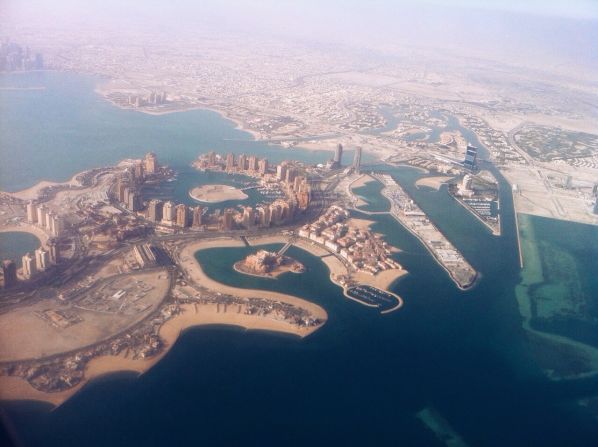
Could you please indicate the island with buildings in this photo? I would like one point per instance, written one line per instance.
(268, 264)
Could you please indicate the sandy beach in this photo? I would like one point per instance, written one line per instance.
(190, 264)
(32, 192)
(432, 182)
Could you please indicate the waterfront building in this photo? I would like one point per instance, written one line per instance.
(28, 266)
(470, 158)
(9, 269)
(290, 176)
(168, 213)
(31, 212)
(357, 160)
(211, 158)
(181, 215)
(264, 216)
(227, 219)
(281, 171)
(197, 216)
(151, 163)
(242, 162)
(338, 155)
(41, 215)
(53, 251)
(154, 210)
(248, 217)
(49, 218)
(253, 163)
(275, 213)
(596, 206)
(134, 201)
(139, 172)
(230, 162)
(263, 166)
(57, 225)
(41, 259)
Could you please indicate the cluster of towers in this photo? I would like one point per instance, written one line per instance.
(43, 217)
(40, 261)
(337, 159)
(171, 214)
(154, 99)
(127, 188)
(14, 58)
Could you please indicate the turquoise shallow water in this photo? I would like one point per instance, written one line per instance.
(449, 365)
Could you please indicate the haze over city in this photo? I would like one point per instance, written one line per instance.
(283, 222)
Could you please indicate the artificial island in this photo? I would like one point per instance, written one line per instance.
(116, 278)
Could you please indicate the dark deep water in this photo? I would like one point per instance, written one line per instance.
(457, 360)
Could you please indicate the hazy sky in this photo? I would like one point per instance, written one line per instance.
(540, 29)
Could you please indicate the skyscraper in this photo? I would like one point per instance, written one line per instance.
(151, 163)
(242, 162)
(227, 219)
(168, 213)
(28, 266)
(230, 162)
(338, 155)
(31, 212)
(253, 163)
(154, 210)
(470, 157)
(281, 171)
(197, 216)
(41, 215)
(9, 268)
(248, 217)
(41, 259)
(263, 166)
(357, 160)
(181, 215)
(53, 251)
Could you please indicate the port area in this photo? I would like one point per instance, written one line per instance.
(478, 194)
(371, 296)
(410, 215)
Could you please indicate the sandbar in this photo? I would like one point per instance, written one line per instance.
(432, 182)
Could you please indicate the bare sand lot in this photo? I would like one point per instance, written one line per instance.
(51, 327)
(217, 193)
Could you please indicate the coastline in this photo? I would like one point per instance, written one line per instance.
(26, 228)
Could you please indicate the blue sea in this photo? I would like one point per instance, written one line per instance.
(507, 363)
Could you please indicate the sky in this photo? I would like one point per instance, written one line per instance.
(543, 30)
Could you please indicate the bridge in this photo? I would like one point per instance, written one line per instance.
(286, 246)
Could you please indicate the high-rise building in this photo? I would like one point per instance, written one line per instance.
(53, 251)
(290, 176)
(41, 215)
(28, 266)
(230, 162)
(134, 201)
(263, 166)
(212, 158)
(248, 217)
(151, 163)
(49, 218)
(357, 160)
(281, 171)
(168, 213)
(57, 225)
(41, 259)
(470, 158)
(227, 219)
(275, 213)
(338, 155)
(197, 217)
(9, 269)
(596, 206)
(242, 162)
(139, 174)
(154, 210)
(253, 163)
(181, 215)
(31, 212)
(264, 216)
